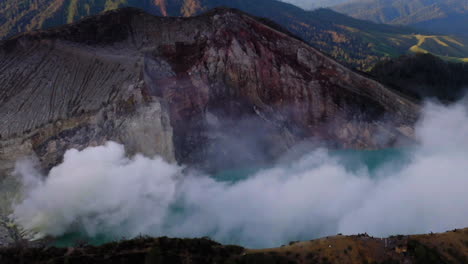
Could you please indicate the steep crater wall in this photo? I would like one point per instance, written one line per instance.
(198, 91)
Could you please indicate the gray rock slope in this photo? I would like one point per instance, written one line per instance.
(200, 90)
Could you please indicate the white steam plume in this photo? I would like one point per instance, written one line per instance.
(99, 190)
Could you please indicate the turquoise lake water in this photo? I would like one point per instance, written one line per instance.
(352, 160)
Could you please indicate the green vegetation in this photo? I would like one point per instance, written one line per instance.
(424, 75)
(387, 41)
(424, 249)
(439, 45)
(425, 255)
(142, 250)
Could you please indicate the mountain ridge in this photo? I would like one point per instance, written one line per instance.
(116, 70)
(356, 43)
(442, 16)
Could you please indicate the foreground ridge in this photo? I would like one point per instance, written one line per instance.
(449, 247)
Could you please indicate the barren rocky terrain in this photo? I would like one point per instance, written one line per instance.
(179, 87)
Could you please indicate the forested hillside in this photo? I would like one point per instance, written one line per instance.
(424, 76)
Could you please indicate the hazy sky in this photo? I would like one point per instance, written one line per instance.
(309, 4)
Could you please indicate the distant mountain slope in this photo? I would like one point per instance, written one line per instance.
(354, 42)
(444, 16)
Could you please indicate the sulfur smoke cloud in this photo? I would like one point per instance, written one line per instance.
(100, 190)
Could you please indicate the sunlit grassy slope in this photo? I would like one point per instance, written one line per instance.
(449, 247)
(393, 45)
(396, 43)
(444, 46)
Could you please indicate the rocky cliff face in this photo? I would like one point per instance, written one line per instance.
(203, 90)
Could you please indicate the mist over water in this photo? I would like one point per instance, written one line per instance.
(99, 192)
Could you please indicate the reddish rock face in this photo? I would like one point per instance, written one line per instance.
(227, 88)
